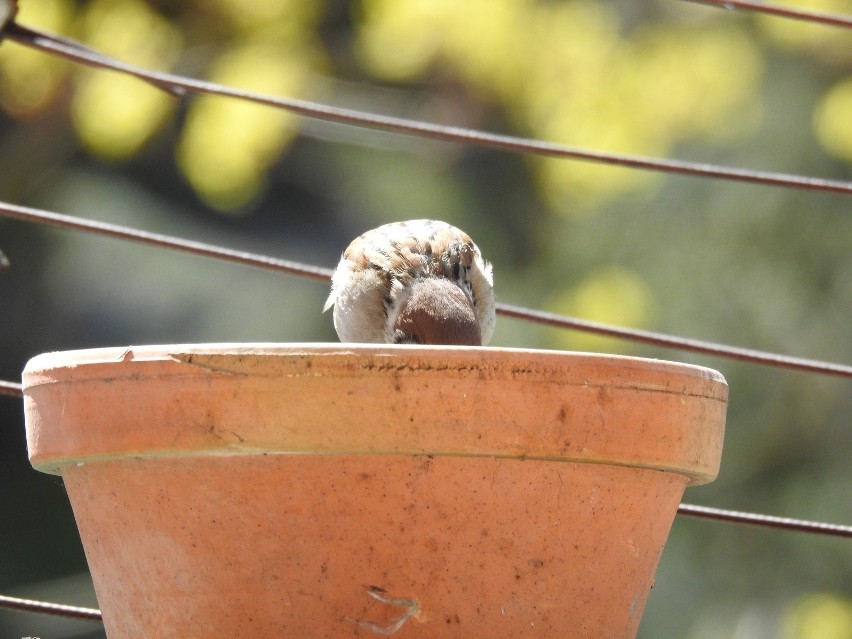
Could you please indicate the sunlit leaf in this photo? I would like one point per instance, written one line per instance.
(227, 145)
(114, 114)
(819, 616)
(30, 79)
(833, 120)
(611, 295)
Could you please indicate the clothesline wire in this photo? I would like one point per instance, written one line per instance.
(55, 219)
(181, 86)
(768, 521)
(49, 218)
(295, 268)
(802, 15)
(49, 608)
(11, 388)
(689, 510)
(784, 523)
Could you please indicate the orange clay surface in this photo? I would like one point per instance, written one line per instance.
(358, 491)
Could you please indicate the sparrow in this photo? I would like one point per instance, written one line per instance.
(414, 282)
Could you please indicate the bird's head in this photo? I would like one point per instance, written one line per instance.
(435, 310)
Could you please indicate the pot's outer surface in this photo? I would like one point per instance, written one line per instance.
(347, 490)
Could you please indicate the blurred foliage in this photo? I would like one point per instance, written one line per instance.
(611, 294)
(114, 115)
(832, 121)
(29, 80)
(754, 266)
(819, 616)
(227, 146)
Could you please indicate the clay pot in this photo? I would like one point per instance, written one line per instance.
(344, 490)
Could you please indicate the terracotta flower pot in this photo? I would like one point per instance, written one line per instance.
(342, 490)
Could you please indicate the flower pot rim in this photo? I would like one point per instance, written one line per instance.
(107, 354)
(307, 398)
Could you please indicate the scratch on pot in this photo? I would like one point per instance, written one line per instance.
(412, 609)
(212, 363)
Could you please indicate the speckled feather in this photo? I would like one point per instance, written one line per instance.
(384, 269)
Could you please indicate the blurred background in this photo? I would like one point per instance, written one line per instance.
(754, 266)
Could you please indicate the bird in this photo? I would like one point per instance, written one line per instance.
(413, 282)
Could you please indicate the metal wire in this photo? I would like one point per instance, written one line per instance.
(11, 388)
(769, 521)
(687, 510)
(820, 17)
(48, 218)
(179, 85)
(47, 608)
(680, 343)
(319, 273)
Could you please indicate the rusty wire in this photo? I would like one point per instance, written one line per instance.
(320, 273)
(679, 343)
(48, 218)
(179, 86)
(11, 388)
(48, 608)
(688, 510)
(768, 521)
(802, 15)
